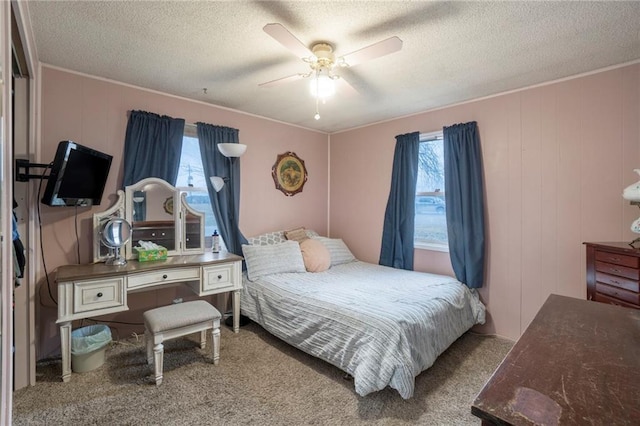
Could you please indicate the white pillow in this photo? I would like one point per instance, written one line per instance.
(340, 253)
(273, 259)
(267, 239)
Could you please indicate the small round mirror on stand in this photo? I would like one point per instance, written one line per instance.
(115, 234)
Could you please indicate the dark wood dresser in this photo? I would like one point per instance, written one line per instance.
(613, 274)
(578, 363)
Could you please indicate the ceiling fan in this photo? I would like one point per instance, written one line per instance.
(322, 61)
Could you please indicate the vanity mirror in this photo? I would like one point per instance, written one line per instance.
(101, 252)
(150, 207)
(114, 235)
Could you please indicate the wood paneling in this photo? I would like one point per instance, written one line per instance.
(93, 112)
(556, 160)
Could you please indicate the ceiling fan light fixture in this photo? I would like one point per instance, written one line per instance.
(322, 85)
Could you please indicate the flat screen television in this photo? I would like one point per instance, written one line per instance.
(78, 176)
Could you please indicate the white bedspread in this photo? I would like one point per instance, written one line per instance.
(381, 325)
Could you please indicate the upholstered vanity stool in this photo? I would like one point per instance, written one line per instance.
(181, 319)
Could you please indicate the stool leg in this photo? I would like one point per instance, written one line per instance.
(215, 337)
(203, 339)
(148, 341)
(158, 352)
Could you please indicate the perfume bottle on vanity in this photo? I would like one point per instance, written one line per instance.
(215, 242)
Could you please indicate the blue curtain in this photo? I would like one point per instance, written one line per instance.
(464, 196)
(152, 147)
(399, 217)
(226, 203)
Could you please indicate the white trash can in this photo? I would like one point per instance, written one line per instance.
(88, 346)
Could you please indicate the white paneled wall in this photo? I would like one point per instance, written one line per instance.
(556, 160)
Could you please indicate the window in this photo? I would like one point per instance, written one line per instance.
(430, 215)
(192, 181)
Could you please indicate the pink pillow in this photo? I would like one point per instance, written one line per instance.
(315, 255)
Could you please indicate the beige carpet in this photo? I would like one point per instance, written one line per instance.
(260, 381)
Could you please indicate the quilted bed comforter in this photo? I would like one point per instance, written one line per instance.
(381, 325)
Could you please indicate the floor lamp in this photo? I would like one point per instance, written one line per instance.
(232, 151)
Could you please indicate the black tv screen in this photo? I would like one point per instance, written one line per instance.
(78, 176)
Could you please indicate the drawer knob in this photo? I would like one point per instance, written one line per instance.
(99, 294)
(615, 270)
(219, 277)
(615, 259)
(164, 277)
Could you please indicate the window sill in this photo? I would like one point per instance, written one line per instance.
(432, 247)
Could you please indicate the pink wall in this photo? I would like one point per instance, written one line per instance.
(556, 160)
(93, 112)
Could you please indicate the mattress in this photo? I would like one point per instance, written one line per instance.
(381, 325)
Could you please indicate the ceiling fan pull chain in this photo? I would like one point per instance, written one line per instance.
(317, 116)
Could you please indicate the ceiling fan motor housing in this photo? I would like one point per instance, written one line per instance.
(324, 55)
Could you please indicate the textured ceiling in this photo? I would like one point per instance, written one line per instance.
(452, 51)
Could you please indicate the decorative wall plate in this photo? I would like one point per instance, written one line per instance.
(289, 173)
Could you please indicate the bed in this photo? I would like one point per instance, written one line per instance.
(381, 325)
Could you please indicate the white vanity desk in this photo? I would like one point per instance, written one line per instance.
(149, 210)
(97, 289)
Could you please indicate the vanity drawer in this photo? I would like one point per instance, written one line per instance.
(163, 276)
(219, 278)
(99, 294)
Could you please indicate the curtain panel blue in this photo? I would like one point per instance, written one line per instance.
(152, 147)
(464, 197)
(399, 216)
(226, 203)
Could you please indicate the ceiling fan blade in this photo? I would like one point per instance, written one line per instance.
(345, 89)
(288, 40)
(282, 80)
(384, 47)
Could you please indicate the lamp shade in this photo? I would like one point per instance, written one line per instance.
(632, 192)
(232, 149)
(217, 183)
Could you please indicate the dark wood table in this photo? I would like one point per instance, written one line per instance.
(578, 363)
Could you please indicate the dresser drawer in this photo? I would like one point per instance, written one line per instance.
(219, 278)
(621, 271)
(163, 276)
(617, 259)
(613, 301)
(625, 283)
(618, 293)
(99, 294)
